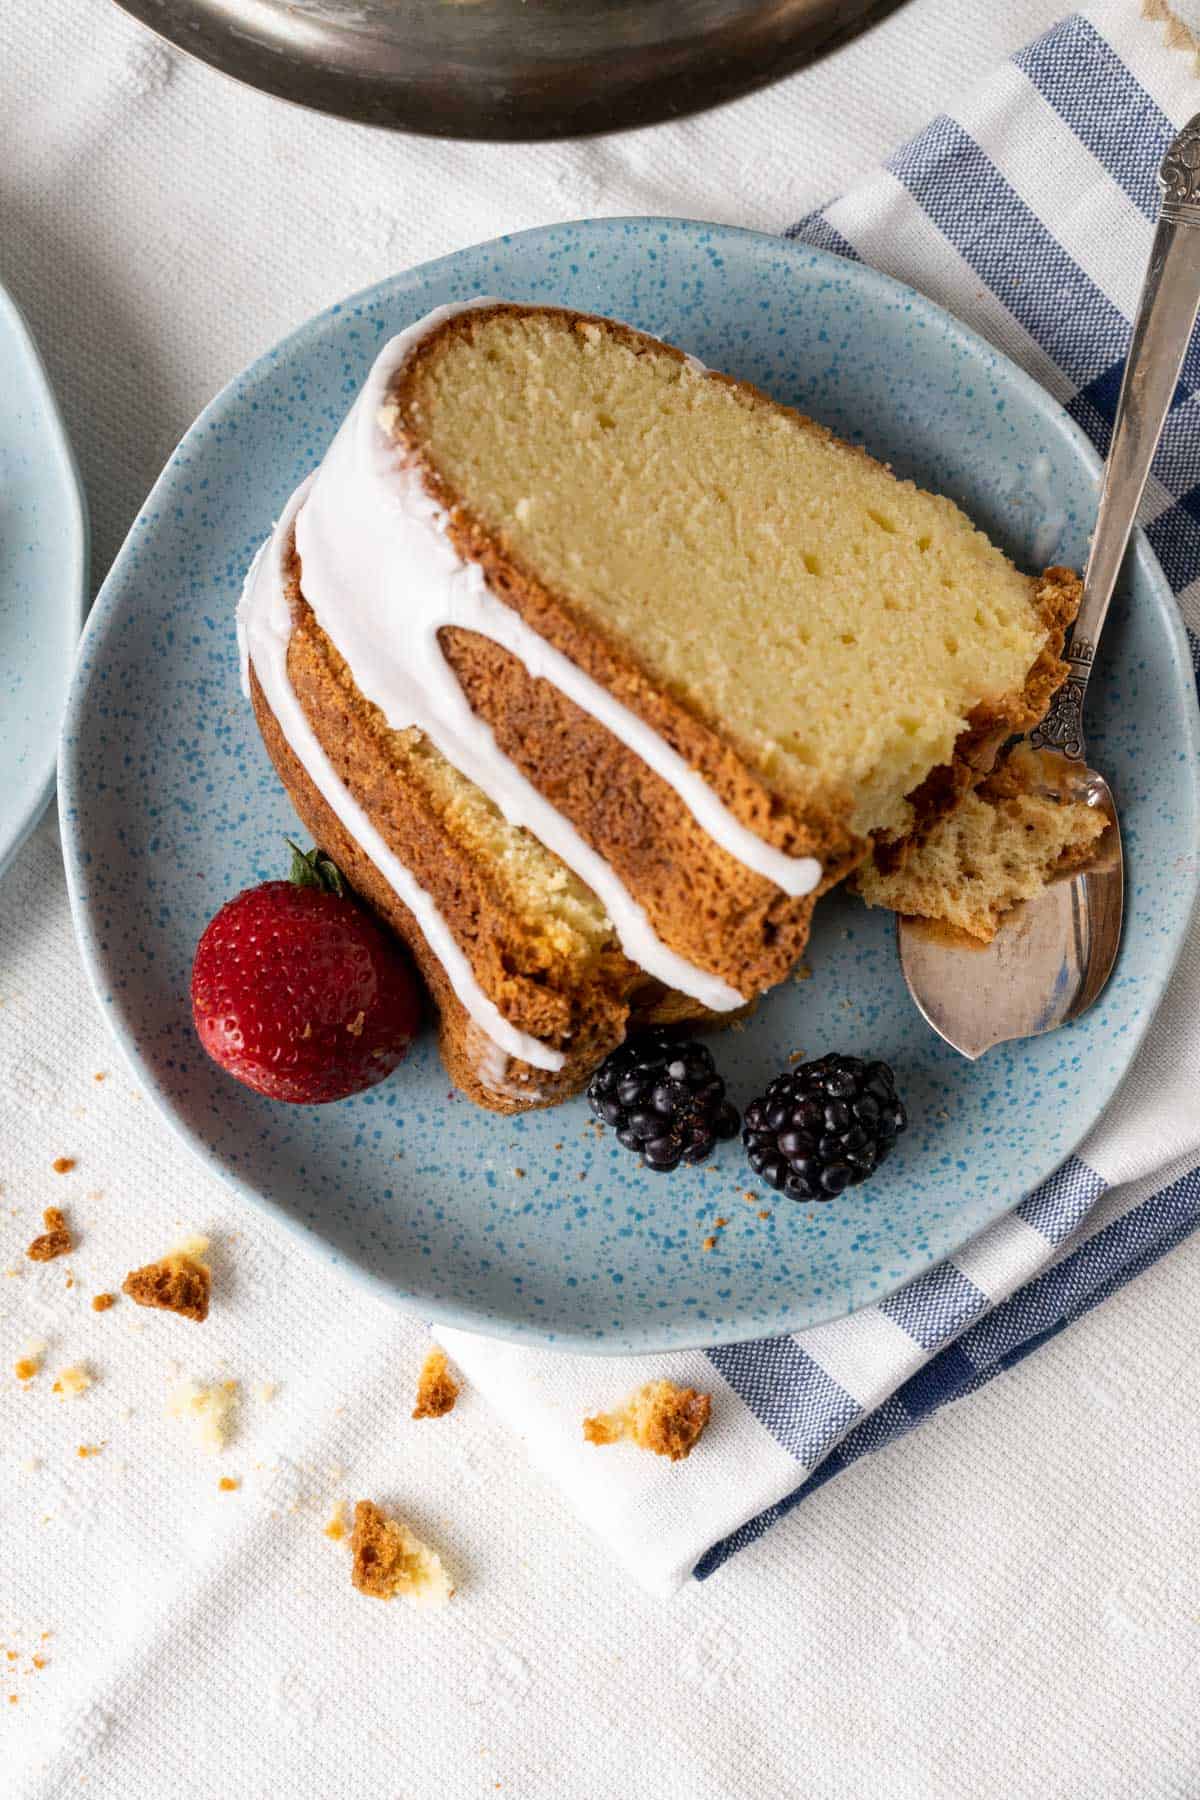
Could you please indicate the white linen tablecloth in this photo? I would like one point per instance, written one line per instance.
(1007, 1603)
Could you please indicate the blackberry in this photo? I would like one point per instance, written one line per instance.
(824, 1126)
(665, 1099)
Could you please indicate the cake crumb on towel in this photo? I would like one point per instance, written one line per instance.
(661, 1417)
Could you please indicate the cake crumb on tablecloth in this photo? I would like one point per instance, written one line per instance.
(54, 1241)
(390, 1561)
(437, 1389)
(209, 1411)
(72, 1382)
(180, 1282)
(29, 1362)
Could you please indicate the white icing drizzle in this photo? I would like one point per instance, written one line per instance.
(491, 1069)
(382, 579)
(264, 631)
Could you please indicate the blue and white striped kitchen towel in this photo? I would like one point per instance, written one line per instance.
(1028, 211)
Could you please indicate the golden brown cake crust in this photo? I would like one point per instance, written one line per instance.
(702, 902)
(376, 1552)
(585, 1016)
(179, 1283)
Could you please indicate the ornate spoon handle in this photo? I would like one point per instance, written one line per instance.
(1161, 332)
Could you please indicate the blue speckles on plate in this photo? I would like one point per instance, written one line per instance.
(43, 580)
(540, 1226)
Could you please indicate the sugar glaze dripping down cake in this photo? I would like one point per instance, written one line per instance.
(594, 669)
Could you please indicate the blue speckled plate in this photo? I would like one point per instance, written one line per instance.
(43, 580)
(169, 805)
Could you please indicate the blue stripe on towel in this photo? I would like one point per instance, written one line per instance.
(1063, 1200)
(817, 231)
(1175, 461)
(1117, 1254)
(1107, 1258)
(1011, 250)
(1081, 76)
(803, 1408)
(1175, 539)
(935, 1306)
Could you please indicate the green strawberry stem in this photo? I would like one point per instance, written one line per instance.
(312, 868)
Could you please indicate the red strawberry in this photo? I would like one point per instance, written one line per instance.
(298, 992)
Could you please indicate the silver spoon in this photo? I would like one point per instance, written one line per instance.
(1052, 956)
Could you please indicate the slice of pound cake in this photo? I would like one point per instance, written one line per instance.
(593, 669)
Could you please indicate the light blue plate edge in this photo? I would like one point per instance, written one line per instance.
(76, 551)
(437, 1308)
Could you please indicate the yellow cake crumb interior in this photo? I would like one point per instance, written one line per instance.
(837, 624)
(529, 875)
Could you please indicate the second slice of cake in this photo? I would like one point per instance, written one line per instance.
(594, 669)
